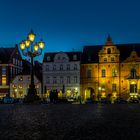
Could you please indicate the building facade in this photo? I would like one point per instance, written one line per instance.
(10, 66)
(20, 85)
(110, 71)
(61, 72)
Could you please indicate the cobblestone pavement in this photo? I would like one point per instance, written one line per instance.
(70, 122)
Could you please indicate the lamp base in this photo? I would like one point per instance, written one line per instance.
(32, 96)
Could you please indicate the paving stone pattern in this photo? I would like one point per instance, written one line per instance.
(70, 122)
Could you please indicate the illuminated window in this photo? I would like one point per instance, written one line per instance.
(103, 73)
(114, 72)
(114, 87)
(20, 86)
(3, 80)
(3, 75)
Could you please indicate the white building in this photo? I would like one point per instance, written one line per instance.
(20, 84)
(61, 72)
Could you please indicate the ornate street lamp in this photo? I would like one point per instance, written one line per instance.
(31, 49)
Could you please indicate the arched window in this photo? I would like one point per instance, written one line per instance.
(108, 50)
(133, 73)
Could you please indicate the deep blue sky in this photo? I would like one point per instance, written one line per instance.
(68, 24)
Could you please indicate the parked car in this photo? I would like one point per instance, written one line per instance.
(8, 100)
(134, 101)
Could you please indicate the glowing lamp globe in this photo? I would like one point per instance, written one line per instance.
(36, 47)
(31, 36)
(41, 44)
(22, 45)
(27, 43)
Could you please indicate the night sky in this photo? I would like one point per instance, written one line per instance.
(65, 25)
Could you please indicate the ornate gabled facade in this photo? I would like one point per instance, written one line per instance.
(110, 71)
(10, 66)
(61, 72)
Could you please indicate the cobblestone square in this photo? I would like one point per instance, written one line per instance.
(66, 121)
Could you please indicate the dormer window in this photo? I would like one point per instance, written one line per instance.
(108, 51)
(74, 57)
(48, 58)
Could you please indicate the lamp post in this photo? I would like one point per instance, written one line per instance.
(31, 49)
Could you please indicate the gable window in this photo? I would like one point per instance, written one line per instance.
(133, 73)
(103, 73)
(108, 51)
